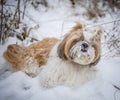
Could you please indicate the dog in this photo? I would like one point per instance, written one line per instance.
(70, 61)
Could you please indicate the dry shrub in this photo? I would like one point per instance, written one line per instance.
(96, 8)
(9, 20)
(113, 41)
(37, 3)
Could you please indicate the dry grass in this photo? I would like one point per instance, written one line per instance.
(11, 21)
(96, 8)
(113, 40)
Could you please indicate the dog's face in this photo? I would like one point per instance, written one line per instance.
(82, 52)
(81, 46)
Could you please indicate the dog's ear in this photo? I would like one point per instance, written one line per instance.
(60, 49)
(97, 40)
(70, 39)
(97, 36)
(77, 26)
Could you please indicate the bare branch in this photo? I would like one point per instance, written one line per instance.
(24, 9)
(1, 34)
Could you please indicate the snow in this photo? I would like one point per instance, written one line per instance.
(55, 22)
(19, 86)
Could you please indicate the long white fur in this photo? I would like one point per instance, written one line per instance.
(59, 72)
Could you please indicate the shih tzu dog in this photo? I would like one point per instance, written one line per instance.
(69, 62)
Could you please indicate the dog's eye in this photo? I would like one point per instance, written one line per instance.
(92, 43)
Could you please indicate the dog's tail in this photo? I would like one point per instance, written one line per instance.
(34, 55)
(14, 54)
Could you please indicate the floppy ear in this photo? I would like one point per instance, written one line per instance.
(97, 37)
(70, 39)
(97, 40)
(60, 49)
(77, 26)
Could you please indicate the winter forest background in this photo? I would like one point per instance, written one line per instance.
(26, 21)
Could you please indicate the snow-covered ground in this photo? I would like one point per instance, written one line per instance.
(56, 21)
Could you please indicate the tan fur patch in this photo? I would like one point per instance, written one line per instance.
(70, 39)
(20, 57)
(97, 46)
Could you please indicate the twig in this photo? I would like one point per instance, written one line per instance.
(9, 5)
(17, 11)
(118, 89)
(95, 25)
(115, 94)
(1, 34)
(109, 52)
(24, 9)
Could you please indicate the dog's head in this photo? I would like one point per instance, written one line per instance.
(81, 45)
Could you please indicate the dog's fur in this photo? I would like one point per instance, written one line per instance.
(59, 60)
(29, 59)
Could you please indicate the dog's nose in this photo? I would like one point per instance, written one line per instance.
(85, 45)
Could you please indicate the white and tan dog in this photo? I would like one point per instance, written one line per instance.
(68, 62)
